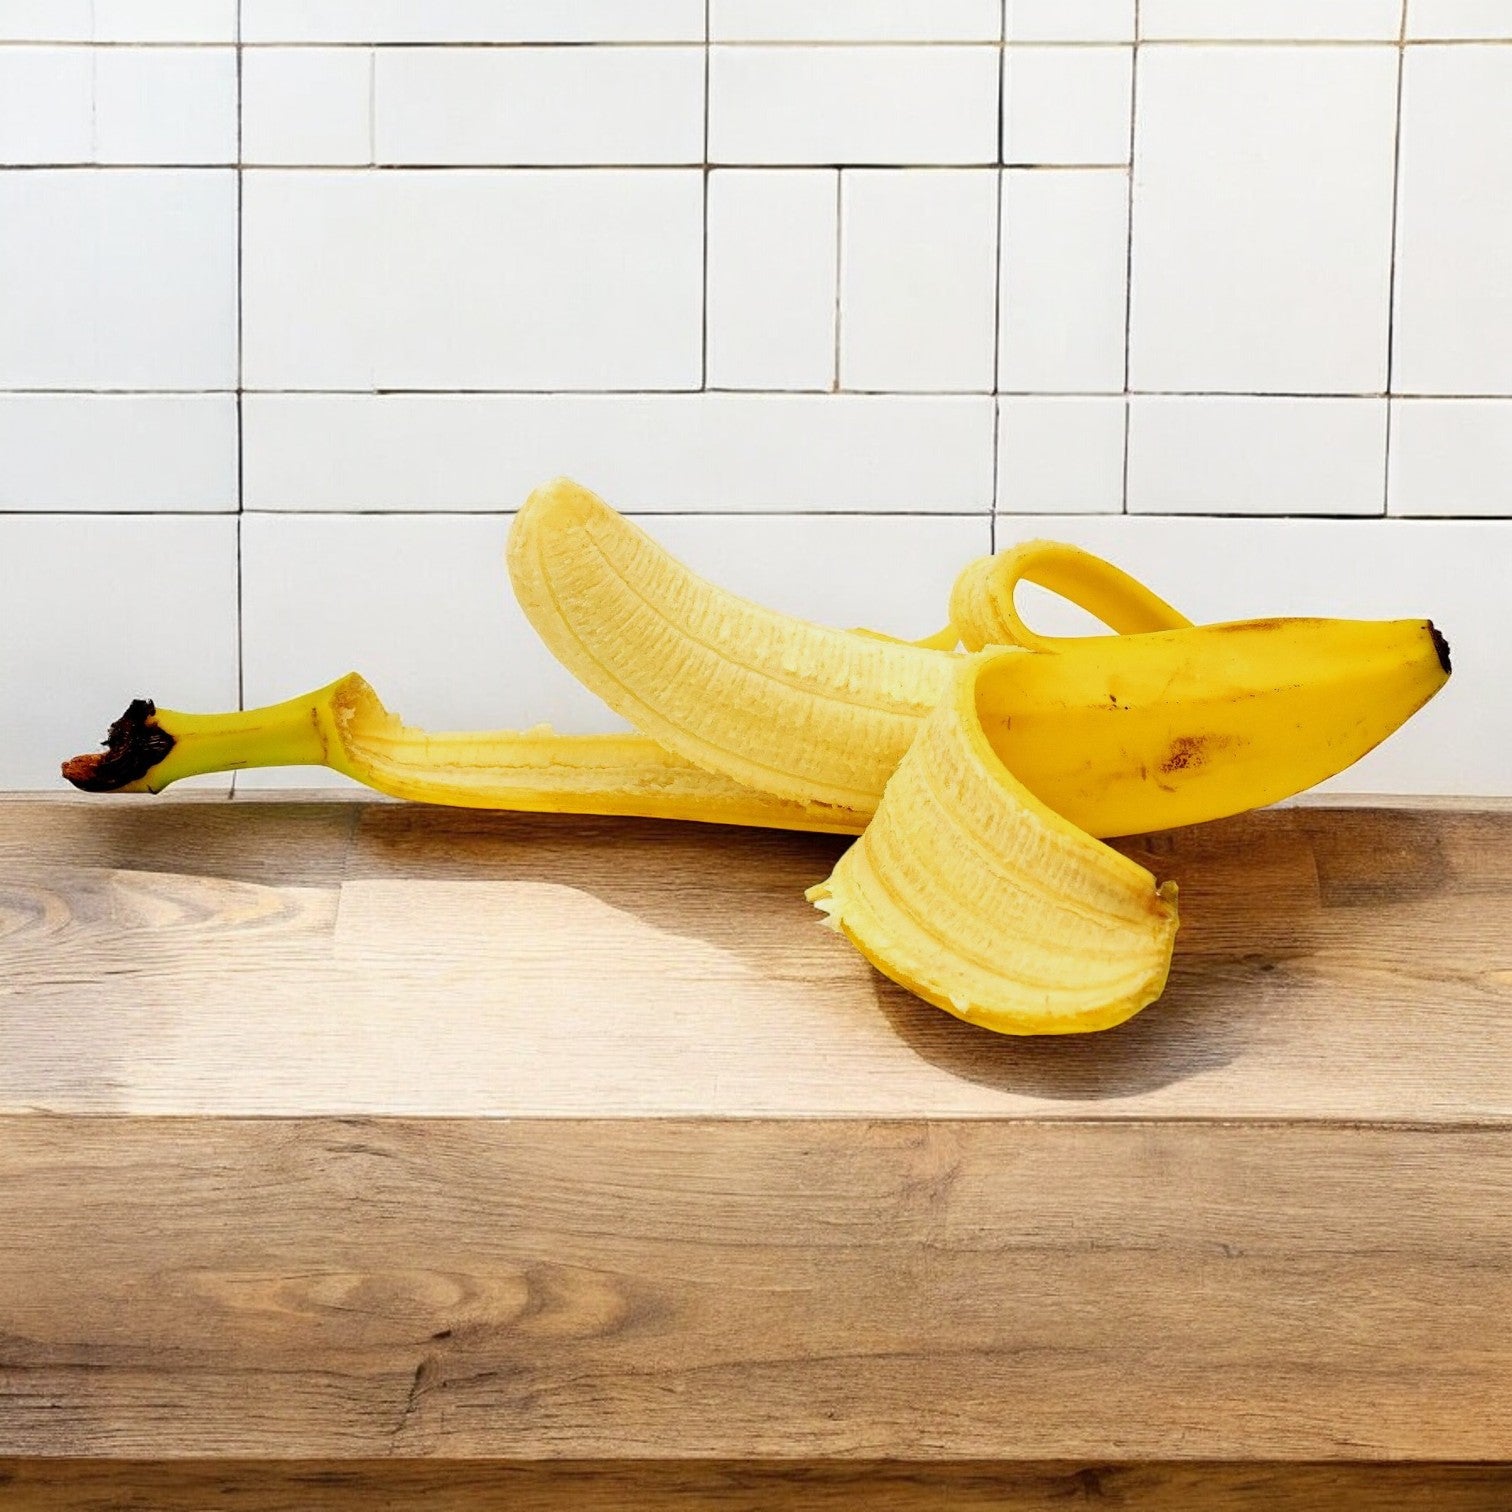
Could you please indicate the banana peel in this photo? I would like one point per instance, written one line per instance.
(978, 779)
(982, 900)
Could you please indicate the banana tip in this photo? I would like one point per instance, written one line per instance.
(1441, 646)
(134, 745)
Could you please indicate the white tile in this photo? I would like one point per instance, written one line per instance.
(716, 452)
(1451, 457)
(120, 278)
(537, 279)
(1251, 455)
(538, 105)
(855, 20)
(1271, 219)
(1064, 259)
(917, 279)
(1454, 572)
(890, 573)
(46, 20)
(772, 254)
(1060, 455)
(472, 21)
(1270, 20)
(1453, 327)
(118, 451)
(1450, 19)
(307, 105)
(118, 21)
(1067, 104)
(884, 105)
(1070, 20)
(165, 104)
(46, 95)
(82, 629)
(164, 20)
(420, 605)
(117, 105)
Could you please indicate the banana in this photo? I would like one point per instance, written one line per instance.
(976, 780)
(344, 726)
(1118, 734)
(971, 893)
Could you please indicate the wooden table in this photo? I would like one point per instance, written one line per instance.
(354, 1149)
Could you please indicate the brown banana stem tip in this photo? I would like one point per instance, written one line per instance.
(1441, 646)
(134, 745)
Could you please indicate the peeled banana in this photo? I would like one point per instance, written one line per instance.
(977, 779)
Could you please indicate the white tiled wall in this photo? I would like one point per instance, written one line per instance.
(298, 299)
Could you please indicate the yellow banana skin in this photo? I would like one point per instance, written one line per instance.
(983, 613)
(1118, 734)
(1123, 734)
(344, 726)
(974, 895)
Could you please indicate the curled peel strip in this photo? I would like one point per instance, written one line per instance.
(971, 893)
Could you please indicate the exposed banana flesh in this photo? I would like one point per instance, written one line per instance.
(970, 892)
(799, 710)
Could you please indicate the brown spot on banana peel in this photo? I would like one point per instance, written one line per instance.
(134, 744)
(1188, 751)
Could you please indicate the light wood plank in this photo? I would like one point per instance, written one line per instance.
(730, 1289)
(704, 1486)
(351, 958)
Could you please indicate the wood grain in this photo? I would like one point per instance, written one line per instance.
(714, 1486)
(355, 958)
(837, 1289)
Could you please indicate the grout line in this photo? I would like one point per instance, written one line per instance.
(839, 265)
(862, 44)
(829, 43)
(750, 393)
(75, 165)
(997, 280)
(703, 382)
(417, 511)
(1396, 187)
(1128, 409)
(241, 697)
(372, 107)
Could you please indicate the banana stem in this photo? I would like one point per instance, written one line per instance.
(148, 748)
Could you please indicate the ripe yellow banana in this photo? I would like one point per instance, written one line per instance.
(1118, 734)
(970, 892)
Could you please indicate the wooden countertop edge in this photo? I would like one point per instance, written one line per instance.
(172, 1485)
